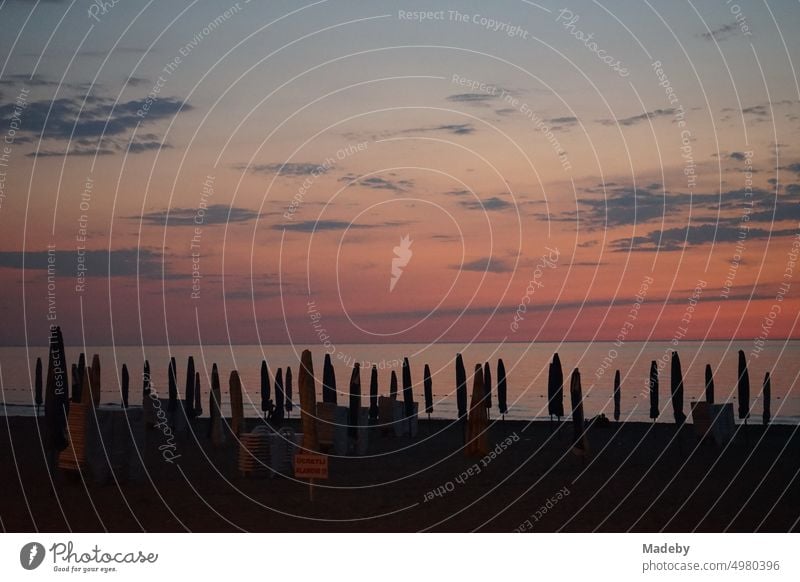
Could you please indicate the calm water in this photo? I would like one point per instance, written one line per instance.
(526, 366)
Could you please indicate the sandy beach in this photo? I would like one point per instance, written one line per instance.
(637, 477)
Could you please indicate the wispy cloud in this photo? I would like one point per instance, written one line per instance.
(213, 215)
(293, 169)
(484, 264)
(633, 120)
(98, 263)
(491, 203)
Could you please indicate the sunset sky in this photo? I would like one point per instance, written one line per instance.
(282, 152)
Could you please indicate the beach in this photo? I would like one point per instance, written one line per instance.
(636, 477)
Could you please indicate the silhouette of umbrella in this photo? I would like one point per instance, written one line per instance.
(288, 391)
(56, 399)
(374, 411)
(355, 400)
(617, 396)
(172, 379)
(77, 386)
(653, 390)
(328, 381)
(502, 388)
(188, 400)
(461, 387)
(126, 382)
(95, 387)
(146, 379)
(215, 408)
(308, 401)
(477, 439)
(555, 389)
(487, 388)
(428, 387)
(266, 401)
(237, 404)
(709, 385)
(767, 396)
(38, 386)
(578, 422)
(198, 400)
(744, 388)
(393, 386)
(277, 413)
(676, 389)
(408, 394)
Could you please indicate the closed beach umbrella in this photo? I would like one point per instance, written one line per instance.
(308, 401)
(126, 384)
(408, 394)
(477, 438)
(56, 398)
(427, 384)
(709, 384)
(77, 388)
(653, 390)
(188, 395)
(95, 385)
(617, 396)
(767, 395)
(555, 389)
(744, 388)
(38, 385)
(355, 400)
(328, 381)
(215, 408)
(502, 388)
(172, 379)
(198, 400)
(146, 379)
(676, 389)
(277, 414)
(487, 387)
(287, 388)
(373, 394)
(237, 403)
(578, 423)
(266, 401)
(461, 387)
(75, 380)
(393, 386)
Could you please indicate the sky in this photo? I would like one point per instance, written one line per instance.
(379, 171)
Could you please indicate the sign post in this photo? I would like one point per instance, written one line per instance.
(310, 466)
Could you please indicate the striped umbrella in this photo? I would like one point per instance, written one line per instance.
(617, 396)
(676, 389)
(653, 390)
(744, 388)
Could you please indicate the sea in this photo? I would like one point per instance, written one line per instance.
(526, 367)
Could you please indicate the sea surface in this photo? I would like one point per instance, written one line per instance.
(526, 367)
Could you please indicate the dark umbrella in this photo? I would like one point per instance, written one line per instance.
(198, 400)
(75, 380)
(744, 388)
(767, 395)
(487, 387)
(709, 384)
(576, 398)
(393, 386)
(277, 413)
(188, 400)
(502, 388)
(38, 385)
(461, 386)
(288, 390)
(56, 401)
(617, 396)
(477, 437)
(555, 389)
(214, 408)
(146, 380)
(266, 401)
(373, 394)
(172, 379)
(408, 394)
(306, 388)
(653, 390)
(355, 400)
(95, 388)
(77, 387)
(328, 381)
(427, 384)
(126, 384)
(676, 389)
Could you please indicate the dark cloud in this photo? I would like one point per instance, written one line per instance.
(484, 264)
(454, 128)
(721, 33)
(491, 203)
(562, 120)
(106, 146)
(378, 183)
(99, 263)
(286, 169)
(628, 121)
(675, 239)
(330, 225)
(214, 214)
(481, 99)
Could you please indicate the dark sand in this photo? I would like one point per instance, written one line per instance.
(640, 477)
